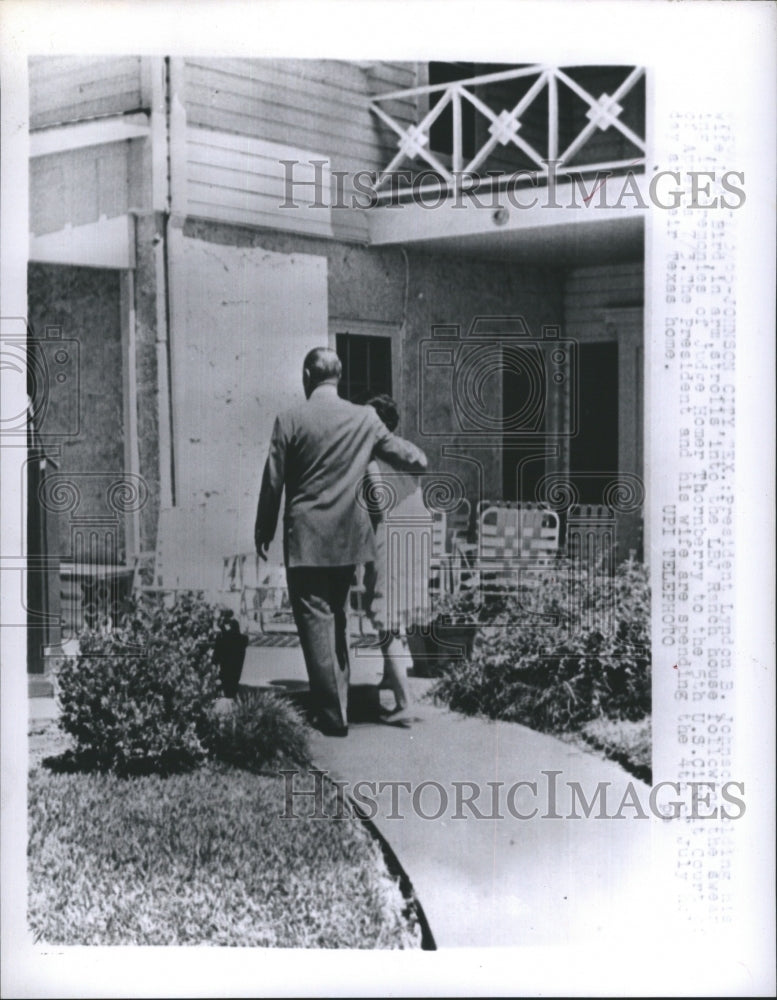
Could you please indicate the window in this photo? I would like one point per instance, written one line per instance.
(366, 364)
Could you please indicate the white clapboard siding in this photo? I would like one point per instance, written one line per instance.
(72, 88)
(291, 104)
(237, 178)
(589, 291)
(310, 104)
(288, 125)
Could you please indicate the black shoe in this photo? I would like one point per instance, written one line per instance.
(333, 730)
(326, 729)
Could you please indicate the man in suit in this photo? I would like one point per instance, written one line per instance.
(319, 452)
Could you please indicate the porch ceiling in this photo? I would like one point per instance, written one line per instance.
(560, 246)
(551, 236)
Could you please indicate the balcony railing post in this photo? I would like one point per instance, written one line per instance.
(552, 116)
(458, 160)
(505, 126)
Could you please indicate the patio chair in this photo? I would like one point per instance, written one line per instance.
(451, 550)
(440, 580)
(458, 524)
(515, 541)
(264, 595)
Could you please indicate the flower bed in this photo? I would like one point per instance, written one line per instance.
(573, 648)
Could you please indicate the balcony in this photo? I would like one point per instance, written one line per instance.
(519, 126)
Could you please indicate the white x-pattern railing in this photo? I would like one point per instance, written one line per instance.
(505, 125)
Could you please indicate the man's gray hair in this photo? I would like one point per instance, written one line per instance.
(322, 364)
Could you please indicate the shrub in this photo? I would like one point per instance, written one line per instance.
(627, 742)
(570, 648)
(260, 728)
(135, 698)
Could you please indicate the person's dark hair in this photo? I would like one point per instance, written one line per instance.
(323, 365)
(387, 410)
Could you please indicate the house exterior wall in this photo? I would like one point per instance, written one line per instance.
(81, 186)
(87, 185)
(589, 291)
(245, 116)
(287, 107)
(221, 133)
(72, 88)
(376, 285)
(313, 104)
(77, 186)
(250, 316)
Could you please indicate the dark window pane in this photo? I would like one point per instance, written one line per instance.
(366, 366)
(380, 364)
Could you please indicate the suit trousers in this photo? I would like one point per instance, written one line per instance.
(319, 601)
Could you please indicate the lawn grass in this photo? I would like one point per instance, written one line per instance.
(203, 858)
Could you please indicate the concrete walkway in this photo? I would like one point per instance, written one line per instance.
(500, 881)
(496, 880)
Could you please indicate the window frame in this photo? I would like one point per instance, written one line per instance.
(372, 328)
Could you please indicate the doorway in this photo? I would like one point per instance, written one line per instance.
(593, 450)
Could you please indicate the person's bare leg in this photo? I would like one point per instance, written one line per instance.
(395, 673)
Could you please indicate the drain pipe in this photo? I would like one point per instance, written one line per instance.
(161, 185)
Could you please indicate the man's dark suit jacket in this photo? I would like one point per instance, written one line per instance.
(319, 452)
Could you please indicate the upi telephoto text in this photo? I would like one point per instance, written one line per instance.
(546, 797)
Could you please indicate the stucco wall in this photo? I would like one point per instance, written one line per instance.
(423, 290)
(242, 319)
(83, 418)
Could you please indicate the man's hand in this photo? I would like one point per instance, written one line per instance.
(400, 454)
(261, 549)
